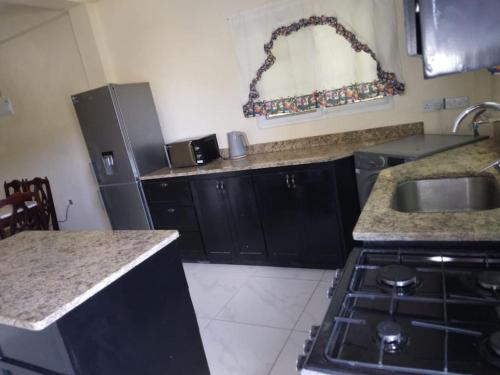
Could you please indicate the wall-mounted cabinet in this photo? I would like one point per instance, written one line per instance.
(293, 216)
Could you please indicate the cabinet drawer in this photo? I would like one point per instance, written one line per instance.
(169, 216)
(168, 191)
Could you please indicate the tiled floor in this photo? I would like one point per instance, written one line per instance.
(254, 320)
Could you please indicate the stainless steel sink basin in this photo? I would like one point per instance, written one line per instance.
(477, 193)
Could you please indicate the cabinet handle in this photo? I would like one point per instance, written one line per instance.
(217, 185)
(164, 184)
(288, 181)
(293, 181)
(222, 185)
(171, 210)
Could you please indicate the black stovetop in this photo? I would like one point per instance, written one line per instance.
(411, 312)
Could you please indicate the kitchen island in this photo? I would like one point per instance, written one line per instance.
(380, 222)
(97, 302)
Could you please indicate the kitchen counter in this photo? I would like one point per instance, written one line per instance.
(266, 160)
(46, 274)
(297, 152)
(379, 222)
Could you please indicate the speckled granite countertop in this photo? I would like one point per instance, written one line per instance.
(46, 274)
(299, 151)
(265, 160)
(379, 222)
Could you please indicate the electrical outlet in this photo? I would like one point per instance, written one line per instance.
(456, 102)
(70, 201)
(433, 105)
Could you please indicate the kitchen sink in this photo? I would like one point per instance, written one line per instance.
(474, 193)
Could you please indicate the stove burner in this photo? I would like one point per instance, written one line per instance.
(489, 280)
(495, 342)
(489, 349)
(391, 336)
(398, 276)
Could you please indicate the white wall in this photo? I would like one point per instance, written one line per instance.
(39, 71)
(185, 49)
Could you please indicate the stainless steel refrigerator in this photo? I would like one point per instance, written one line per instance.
(123, 135)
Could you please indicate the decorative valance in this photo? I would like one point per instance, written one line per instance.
(386, 85)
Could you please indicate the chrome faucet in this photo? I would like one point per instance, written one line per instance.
(475, 122)
(495, 164)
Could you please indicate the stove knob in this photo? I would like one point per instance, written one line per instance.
(301, 361)
(337, 276)
(330, 291)
(313, 332)
(307, 346)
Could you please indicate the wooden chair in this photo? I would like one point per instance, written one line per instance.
(14, 186)
(41, 187)
(22, 216)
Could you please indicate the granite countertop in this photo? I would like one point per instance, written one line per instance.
(265, 160)
(46, 274)
(300, 151)
(379, 222)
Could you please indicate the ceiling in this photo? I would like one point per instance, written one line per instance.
(40, 4)
(18, 16)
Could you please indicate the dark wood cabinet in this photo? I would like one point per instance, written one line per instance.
(212, 210)
(279, 205)
(290, 216)
(171, 207)
(299, 212)
(229, 219)
(320, 222)
(245, 218)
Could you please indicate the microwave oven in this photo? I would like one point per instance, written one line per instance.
(192, 152)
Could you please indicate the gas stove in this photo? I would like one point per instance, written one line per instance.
(410, 312)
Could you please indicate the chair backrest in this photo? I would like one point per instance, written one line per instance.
(14, 186)
(41, 187)
(22, 217)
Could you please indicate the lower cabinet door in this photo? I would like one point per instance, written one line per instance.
(213, 217)
(321, 226)
(280, 210)
(190, 245)
(245, 218)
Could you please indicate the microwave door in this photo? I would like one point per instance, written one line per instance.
(182, 154)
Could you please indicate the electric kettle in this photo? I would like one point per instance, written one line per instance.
(238, 147)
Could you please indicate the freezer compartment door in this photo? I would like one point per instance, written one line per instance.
(140, 119)
(104, 136)
(126, 206)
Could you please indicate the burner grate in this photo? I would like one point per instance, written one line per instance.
(433, 276)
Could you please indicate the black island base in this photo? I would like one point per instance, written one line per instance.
(142, 324)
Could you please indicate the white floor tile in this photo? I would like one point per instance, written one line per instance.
(285, 365)
(315, 309)
(211, 290)
(269, 302)
(239, 349)
(290, 273)
(202, 323)
(200, 269)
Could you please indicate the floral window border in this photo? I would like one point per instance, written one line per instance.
(386, 85)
